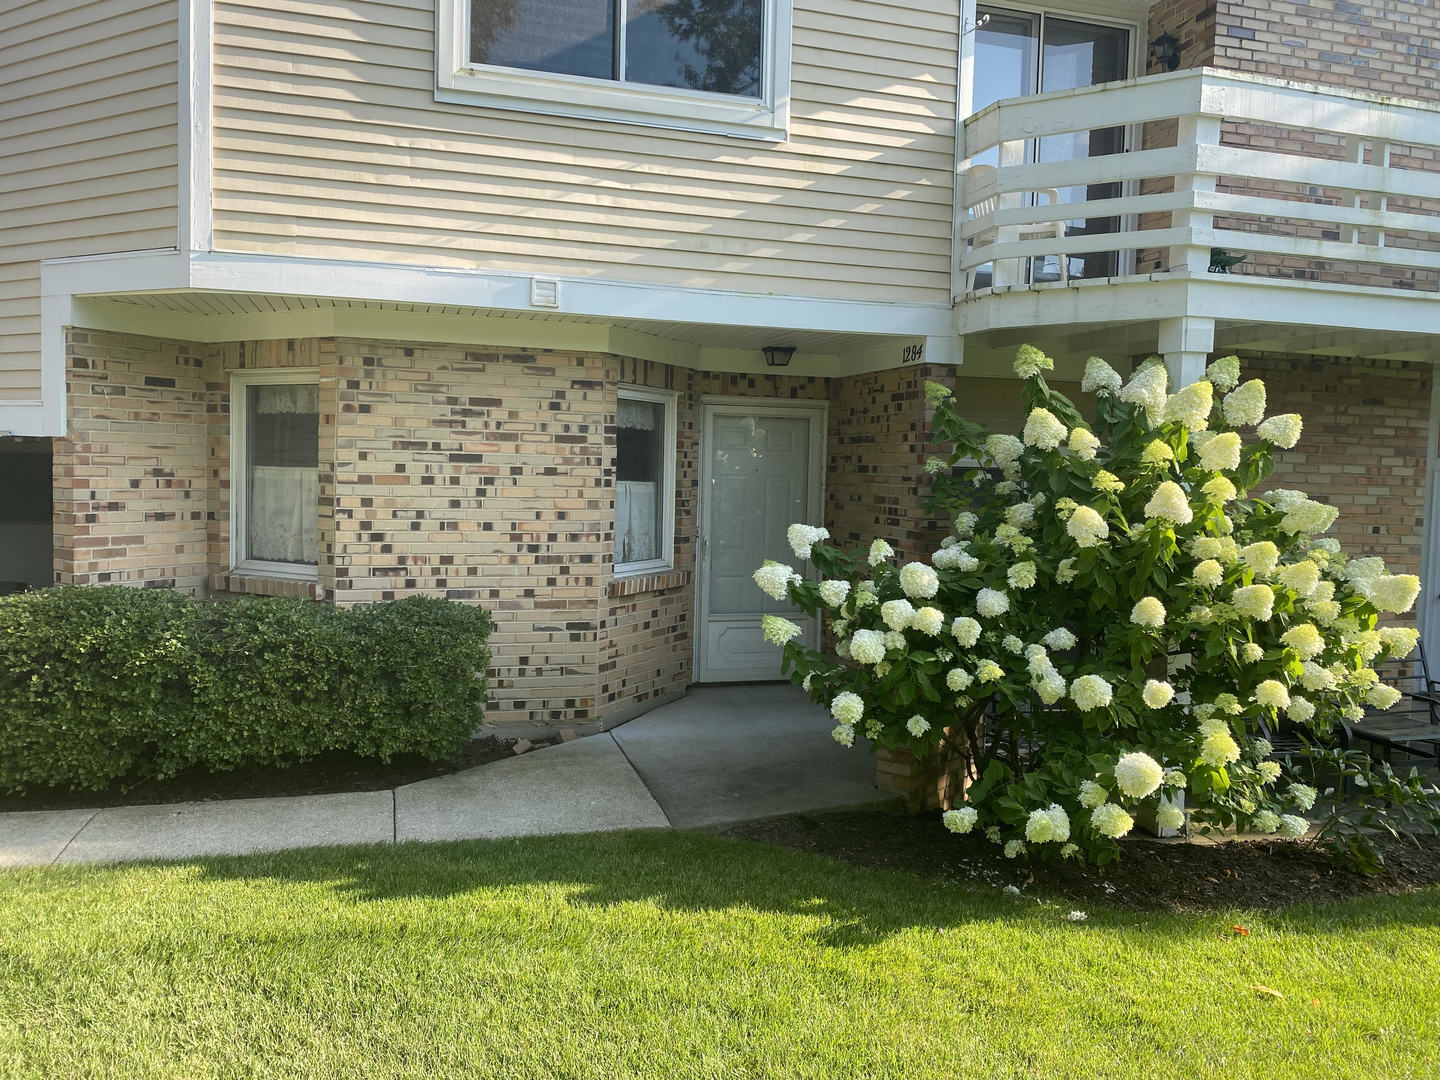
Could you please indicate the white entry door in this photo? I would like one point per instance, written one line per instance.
(761, 471)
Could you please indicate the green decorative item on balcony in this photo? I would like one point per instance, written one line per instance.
(1221, 260)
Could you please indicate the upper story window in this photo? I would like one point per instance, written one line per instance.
(702, 65)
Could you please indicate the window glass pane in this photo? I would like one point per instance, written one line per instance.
(715, 45)
(282, 475)
(572, 37)
(639, 481)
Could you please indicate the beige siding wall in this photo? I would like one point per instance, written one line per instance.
(88, 125)
(329, 143)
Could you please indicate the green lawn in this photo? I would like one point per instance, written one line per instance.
(675, 955)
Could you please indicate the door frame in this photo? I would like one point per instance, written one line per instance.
(818, 412)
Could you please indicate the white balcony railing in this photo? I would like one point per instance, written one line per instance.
(1307, 182)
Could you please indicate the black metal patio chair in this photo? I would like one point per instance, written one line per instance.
(1412, 725)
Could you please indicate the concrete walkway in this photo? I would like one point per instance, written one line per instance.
(720, 754)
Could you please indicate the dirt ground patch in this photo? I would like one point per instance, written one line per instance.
(1150, 875)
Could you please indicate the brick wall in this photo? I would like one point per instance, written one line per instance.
(130, 476)
(1364, 448)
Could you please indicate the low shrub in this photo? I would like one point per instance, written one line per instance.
(103, 683)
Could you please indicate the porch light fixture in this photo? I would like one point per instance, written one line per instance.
(778, 355)
(1167, 51)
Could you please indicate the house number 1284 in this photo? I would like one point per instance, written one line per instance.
(911, 353)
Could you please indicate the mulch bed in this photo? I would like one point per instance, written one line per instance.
(323, 775)
(1150, 875)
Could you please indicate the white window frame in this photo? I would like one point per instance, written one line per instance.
(666, 518)
(459, 81)
(240, 382)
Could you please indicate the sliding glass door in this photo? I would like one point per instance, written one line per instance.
(1021, 53)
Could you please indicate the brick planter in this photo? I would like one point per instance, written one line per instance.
(936, 782)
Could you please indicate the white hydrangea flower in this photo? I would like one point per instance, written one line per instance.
(1305, 640)
(1224, 372)
(989, 671)
(958, 679)
(897, 614)
(965, 630)
(1316, 678)
(1251, 653)
(1245, 405)
(894, 639)
(1303, 795)
(1191, 405)
(1065, 571)
(1209, 573)
(1381, 696)
(965, 524)
(1050, 825)
(1059, 639)
(1030, 361)
(803, 537)
(833, 592)
(918, 581)
(1050, 686)
(1091, 692)
(1308, 516)
(1021, 575)
(1092, 794)
(776, 630)
(929, 621)
(1283, 430)
(960, 820)
(1269, 771)
(1169, 816)
(1099, 378)
(847, 707)
(1399, 641)
(1301, 577)
(1086, 527)
(1137, 774)
(1272, 694)
(868, 646)
(1148, 388)
(843, 734)
(1083, 443)
(991, 603)
(773, 579)
(1012, 644)
(1157, 694)
(1219, 490)
(1300, 709)
(1266, 821)
(1110, 819)
(1044, 430)
(1003, 450)
(1219, 749)
(1392, 593)
(917, 725)
(1262, 556)
(1292, 826)
(1148, 612)
(1157, 452)
(1254, 602)
(1170, 504)
(1175, 778)
(879, 552)
(1221, 453)
(1014, 849)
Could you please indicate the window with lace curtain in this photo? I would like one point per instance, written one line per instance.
(644, 481)
(275, 472)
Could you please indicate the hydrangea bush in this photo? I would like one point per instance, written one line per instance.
(1116, 624)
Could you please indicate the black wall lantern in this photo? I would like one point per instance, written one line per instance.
(1167, 51)
(778, 355)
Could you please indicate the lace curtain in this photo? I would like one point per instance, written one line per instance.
(287, 398)
(283, 522)
(637, 536)
(639, 415)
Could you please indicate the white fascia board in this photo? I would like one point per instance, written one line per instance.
(221, 272)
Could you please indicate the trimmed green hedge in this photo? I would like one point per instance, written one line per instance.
(98, 683)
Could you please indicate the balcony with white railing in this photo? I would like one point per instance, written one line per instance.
(1240, 197)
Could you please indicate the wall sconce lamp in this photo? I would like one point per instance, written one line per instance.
(1167, 51)
(778, 355)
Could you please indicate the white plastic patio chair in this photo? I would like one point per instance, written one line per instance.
(981, 199)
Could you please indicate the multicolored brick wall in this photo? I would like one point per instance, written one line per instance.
(131, 494)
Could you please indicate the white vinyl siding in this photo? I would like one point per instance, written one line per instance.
(88, 127)
(329, 143)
